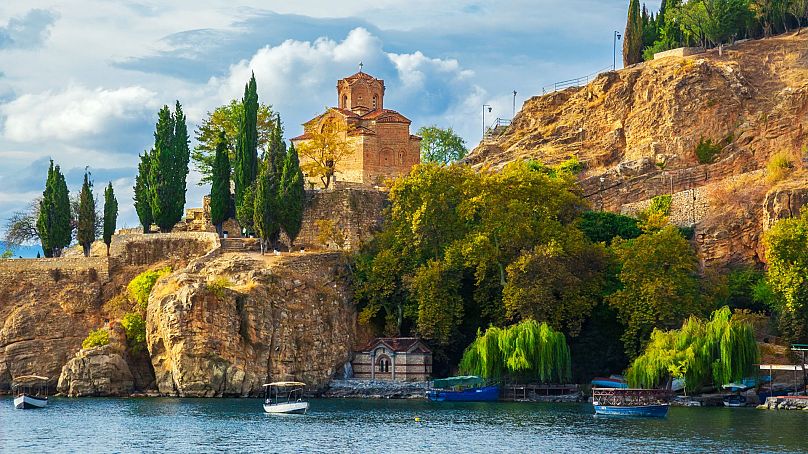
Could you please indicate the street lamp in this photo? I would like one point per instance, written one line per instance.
(514, 104)
(614, 49)
(489, 110)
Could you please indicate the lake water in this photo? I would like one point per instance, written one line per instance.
(239, 425)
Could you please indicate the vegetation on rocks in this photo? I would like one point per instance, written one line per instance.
(97, 338)
(141, 286)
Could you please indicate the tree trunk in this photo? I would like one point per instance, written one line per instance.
(219, 229)
(86, 248)
(107, 249)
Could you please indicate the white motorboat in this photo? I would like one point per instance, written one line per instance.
(30, 391)
(285, 397)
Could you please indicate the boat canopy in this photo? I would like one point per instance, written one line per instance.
(285, 383)
(465, 380)
(29, 378)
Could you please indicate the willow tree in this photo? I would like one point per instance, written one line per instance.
(525, 351)
(721, 350)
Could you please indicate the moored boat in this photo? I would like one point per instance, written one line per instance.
(462, 389)
(613, 381)
(631, 402)
(735, 401)
(30, 391)
(285, 397)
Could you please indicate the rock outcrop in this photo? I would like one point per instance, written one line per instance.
(99, 371)
(225, 325)
(636, 131)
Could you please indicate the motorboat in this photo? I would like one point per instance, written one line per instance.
(468, 388)
(736, 400)
(30, 391)
(285, 397)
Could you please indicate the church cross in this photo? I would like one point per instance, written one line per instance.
(360, 66)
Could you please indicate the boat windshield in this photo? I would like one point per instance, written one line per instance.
(283, 392)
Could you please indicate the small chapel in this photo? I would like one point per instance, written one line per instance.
(380, 143)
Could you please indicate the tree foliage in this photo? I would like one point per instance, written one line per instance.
(633, 37)
(54, 221)
(225, 119)
(659, 283)
(168, 168)
(86, 228)
(265, 204)
(721, 350)
(141, 286)
(527, 351)
(292, 197)
(439, 145)
(603, 226)
(787, 254)
(142, 197)
(110, 215)
(246, 157)
(324, 150)
(96, 338)
(220, 197)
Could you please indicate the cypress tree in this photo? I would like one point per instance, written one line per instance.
(53, 223)
(246, 167)
(143, 194)
(293, 194)
(277, 147)
(110, 215)
(220, 186)
(632, 39)
(62, 233)
(86, 230)
(46, 214)
(168, 168)
(265, 205)
(182, 156)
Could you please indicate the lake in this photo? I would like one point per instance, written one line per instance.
(239, 425)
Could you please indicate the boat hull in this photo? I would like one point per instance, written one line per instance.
(654, 411)
(482, 394)
(25, 402)
(287, 408)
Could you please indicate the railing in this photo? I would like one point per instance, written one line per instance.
(576, 82)
(497, 127)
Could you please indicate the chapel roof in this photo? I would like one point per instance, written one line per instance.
(396, 344)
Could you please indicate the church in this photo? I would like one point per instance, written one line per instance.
(380, 143)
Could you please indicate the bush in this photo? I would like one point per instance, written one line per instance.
(135, 328)
(96, 338)
(779, 165)
(602, 226)
(218, 285)
(706, 151)
(661, 204)
(141, 286)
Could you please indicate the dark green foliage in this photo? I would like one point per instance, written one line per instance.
(220, 185)
(246, 165)
(706, 151)
(633, 37)
(142, 196)
(602, 226)
(86, 228)
(293, 196)
(742, 284)
(277, 147)
(265, 204)
(168, 168)
(53, 222)
(441, 145)
(245, 211)
(110, 215)
(597, 351)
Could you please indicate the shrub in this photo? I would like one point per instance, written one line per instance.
(604, 226)
(140, 287)
(706, 151)
(135, 328)
(218, 285)
(661, 204)
(779, 165)
(96, 338)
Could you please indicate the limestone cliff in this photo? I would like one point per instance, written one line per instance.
(636, 131)
(226, 324)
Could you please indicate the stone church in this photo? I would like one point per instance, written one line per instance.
(379, 139)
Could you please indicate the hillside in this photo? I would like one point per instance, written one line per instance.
(637, 130)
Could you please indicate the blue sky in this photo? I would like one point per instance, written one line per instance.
(81, 81)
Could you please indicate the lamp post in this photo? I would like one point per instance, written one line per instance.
(602, 179)
(514, 105)
(489, 110)
(614, 49)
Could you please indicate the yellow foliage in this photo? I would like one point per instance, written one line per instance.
(322, 152)
(779, 166)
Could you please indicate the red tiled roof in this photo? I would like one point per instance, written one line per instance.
(386, 116)
(397, 344)
(360, 75)
(303, 136)
(361, 130)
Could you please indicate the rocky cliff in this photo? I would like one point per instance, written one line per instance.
(225, 325)
(637, 131)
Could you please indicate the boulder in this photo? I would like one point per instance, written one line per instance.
(99, 371)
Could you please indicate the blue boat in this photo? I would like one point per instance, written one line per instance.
(462, 389)
(654, 411)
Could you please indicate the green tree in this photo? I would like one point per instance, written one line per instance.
(110, 215)
(603, 226)
(53, 223)
(441, 145)
(142, 191)
(725, 19)
(292, 197)
(633, 37)
(246, 163)
(168, 168)
(220, 185)
(86, 230)
(245, 212)
(277, 147)
(659, 285)
(799, 10)
(787, 277)
(226, 118)
(265, 211)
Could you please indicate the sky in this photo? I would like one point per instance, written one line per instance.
(81, 81)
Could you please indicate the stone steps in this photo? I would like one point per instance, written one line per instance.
(239, 244)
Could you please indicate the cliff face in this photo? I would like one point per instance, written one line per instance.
(225, 325)
(636, 130)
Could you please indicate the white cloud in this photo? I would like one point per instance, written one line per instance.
(72, 113)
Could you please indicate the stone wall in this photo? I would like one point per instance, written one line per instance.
(47, 271)
(687, 207)
(139, 249)
(679, 52)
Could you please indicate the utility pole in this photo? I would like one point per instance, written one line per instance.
(514, 105)
(614, 49)
(489, 110)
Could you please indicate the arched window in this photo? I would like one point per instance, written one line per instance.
(375, 101)
(344, 101)
(383, 364)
